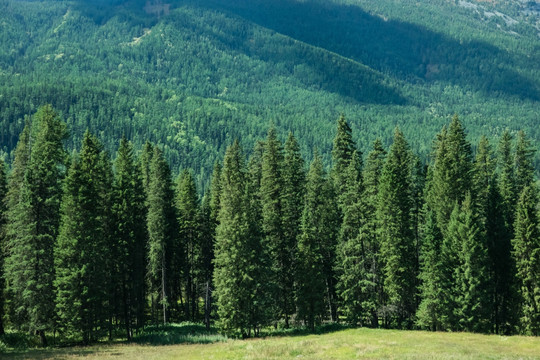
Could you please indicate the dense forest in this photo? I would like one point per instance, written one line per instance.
(202, 73)
(95, 247)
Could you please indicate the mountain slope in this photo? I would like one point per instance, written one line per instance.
(197, 75)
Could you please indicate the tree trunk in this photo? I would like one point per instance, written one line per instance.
(164, 291)
(42, 338)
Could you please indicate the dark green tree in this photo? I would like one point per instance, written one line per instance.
(474, 276)
(3, 221)
(526, 251)
(372, 175)
(342, 152)
(162, 230)
(129, 254)
(431, 275)
(83, 250)
(292, 203)
(398, 250)
(311, 275)
(523, 163)
(187, 205)
(33, 224)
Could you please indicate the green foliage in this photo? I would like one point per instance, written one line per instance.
(3, 221)
(82, 254)
(526, 250)
(397, 248)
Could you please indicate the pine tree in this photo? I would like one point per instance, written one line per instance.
(83, 251)
(129, 214)
(523, 164)
(474, 281)
(356, 286)
(526, 251)
(371, 175)
(292, 200)
(398, 250)
(492, 223)
(187, 205)
(33, 224)
(238, 251)
(162, 231)
(271, 195)
(507, 179)
(313, 244)
(3, 220)
(342, 153)
(431, 275)
(451, 173)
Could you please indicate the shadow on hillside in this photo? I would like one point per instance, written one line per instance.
(410, 52)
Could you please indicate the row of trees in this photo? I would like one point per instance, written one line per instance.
(91, 247)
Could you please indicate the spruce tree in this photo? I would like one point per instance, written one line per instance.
(526, 251)
(187, 205)
(83, 251)
(431, 275)
(161, 225)
(130, 235)
(342, 153)
(272, 199)
(523, 163)
(313, 243)
(238, 251)
(371, 175)
(292, 202)
(507, 179)
(398, 251)
(451, 172)
(356, 286)
(33, 224)
(474, 280)
(3, 220)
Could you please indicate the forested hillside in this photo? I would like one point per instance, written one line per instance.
(191, 76)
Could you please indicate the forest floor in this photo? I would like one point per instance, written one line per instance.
(341, 344)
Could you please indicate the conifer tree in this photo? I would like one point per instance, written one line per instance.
(162, 230)
(3, 220)
(314, 245)
(451, 173)
(292, 202)
(371, 175)
(272, 198)
(492, 223)
(342, 153)
(239, 296)
(145, 160)
(526, 251)
(398, 250)
(130, 236)
(83, 251)
(187, 205)
(356, 286)
(523, 163)
(431, 275)
(33, 224)
(507, 180)
(474, 280)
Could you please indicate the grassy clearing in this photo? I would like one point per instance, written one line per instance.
(342, 344)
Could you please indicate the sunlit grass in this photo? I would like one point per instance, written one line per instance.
(340, 344)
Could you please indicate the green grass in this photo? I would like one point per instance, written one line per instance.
(177, 343)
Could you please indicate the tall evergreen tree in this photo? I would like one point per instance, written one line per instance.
(507, 180)
(526, 251)
(187, 205)
(292, 202)
(33, 224)
(431, 275)
(240, 298)
(161, 225)
(129, 213)
(83, 250)
(315, 243)
(356, 286)
(398, 249)
(451, 172)
(3, 220)
(523, 163)
(474, 280)
(372, 175)
(342, 153)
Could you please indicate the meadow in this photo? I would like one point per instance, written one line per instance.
(192, 342)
